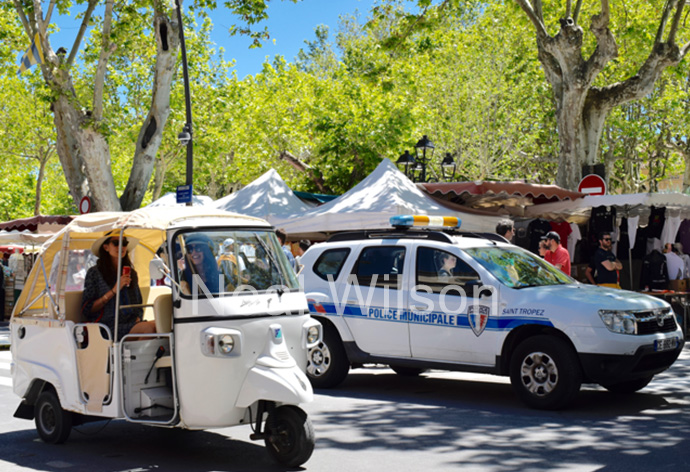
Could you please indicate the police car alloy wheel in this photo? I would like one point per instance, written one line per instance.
(545, 372)
(327, 364)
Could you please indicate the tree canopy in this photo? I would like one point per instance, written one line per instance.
(473, 76)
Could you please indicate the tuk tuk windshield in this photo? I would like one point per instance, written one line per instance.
(221, 261)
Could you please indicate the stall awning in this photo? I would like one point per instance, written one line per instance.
(37, 224)
(502, 197)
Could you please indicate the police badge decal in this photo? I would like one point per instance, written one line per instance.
(478, 317)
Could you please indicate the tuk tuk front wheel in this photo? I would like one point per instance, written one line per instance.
(289, 436)
(52, 422)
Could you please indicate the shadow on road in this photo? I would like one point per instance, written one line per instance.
(482, 425)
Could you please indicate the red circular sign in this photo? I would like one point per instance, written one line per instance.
(592, 184)
(85, 205)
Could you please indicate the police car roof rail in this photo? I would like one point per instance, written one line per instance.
(416, 233)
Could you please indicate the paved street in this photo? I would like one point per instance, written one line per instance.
(379, 421)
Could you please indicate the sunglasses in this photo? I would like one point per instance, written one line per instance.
(606, 239)
(116, 242)
(196, 247)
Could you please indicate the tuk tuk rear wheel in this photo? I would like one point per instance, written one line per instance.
(52, 422)
(290, 436)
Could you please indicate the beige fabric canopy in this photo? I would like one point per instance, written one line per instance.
(148, 225)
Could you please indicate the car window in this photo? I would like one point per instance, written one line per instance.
(380, 266)
(439, 269)
(330, 263)
(518, 268)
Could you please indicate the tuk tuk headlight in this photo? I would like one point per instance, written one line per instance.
(313, 334)
(221, 342)
(619, 321)
(225, 344)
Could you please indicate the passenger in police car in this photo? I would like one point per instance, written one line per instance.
(447, 263)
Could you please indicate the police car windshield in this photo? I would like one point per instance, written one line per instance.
(518, 268)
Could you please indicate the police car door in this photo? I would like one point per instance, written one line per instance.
(448, 319)
(375, 302)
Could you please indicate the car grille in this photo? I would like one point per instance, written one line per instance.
(648, 322)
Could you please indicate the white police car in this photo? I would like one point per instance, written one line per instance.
(416, 299)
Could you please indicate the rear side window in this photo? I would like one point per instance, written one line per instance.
(438, 269)
(380, 266)
(330, 263)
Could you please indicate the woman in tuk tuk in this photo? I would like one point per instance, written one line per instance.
(100, 288)
(200, 261)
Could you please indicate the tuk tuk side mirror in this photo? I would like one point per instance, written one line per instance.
(158, 269)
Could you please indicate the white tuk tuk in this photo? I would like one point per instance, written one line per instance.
(225, 353)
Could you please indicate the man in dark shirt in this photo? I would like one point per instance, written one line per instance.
(605, 264)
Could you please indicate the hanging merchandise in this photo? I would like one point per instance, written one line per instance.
(683, 236)
(573, 239)
(563, 230)
(537, 229)
(656, 222)
(654, 274)
(622, 251)
(671, 226)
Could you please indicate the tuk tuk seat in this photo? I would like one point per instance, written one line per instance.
(162, 309)
(73, 307)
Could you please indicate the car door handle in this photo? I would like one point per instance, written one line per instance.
(352, 302)
(420, 307)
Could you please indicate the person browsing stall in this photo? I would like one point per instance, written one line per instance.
(556, 253)
(506, 229)
(101, 287)
(604, 264)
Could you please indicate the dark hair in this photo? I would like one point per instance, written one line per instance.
(109, 271)
(503, 227)
(603, 234)
(282, 235)
(304, 244)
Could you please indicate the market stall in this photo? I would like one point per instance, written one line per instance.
(370, 204)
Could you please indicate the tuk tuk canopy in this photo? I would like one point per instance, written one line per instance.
(147, 225)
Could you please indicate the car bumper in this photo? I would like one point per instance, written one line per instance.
(611, 369)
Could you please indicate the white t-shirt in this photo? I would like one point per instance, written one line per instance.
(675, 265)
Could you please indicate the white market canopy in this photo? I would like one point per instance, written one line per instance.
(170, 199)
(267, 197)
(635, 204)
(370, 204)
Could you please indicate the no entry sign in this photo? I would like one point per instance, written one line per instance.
(592, 184)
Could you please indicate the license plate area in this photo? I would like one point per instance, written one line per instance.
(665, 344)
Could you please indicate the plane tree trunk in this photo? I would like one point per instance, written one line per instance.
(582, 108)
(81, 145)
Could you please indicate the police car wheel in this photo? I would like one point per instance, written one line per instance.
(631, 386)
(52, 422)
(327, 363)
(290, 439)
(545, 373)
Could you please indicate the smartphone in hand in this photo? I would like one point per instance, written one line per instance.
(126, 270)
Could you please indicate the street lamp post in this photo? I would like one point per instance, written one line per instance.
(415, 167)
(186, 136)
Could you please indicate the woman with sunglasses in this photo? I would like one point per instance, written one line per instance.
(200, 265)
(100, 288)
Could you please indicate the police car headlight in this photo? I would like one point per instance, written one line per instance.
(619, 321)
(221, 342)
